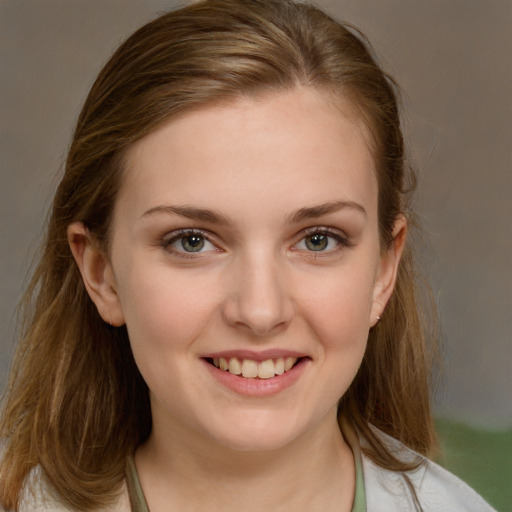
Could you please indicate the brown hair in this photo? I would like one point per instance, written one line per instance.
(76, 403)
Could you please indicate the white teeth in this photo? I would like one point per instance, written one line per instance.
(234, 366)
(266, 369)
(290, 361)
(251, 369)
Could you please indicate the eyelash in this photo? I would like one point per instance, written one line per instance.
(181, 234)
(341, 240)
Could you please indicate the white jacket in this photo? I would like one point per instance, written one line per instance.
(437, 490)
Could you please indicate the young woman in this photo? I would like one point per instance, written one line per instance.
(225, 315)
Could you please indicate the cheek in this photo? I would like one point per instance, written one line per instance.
(340, 320)
(164, 311)
(338, 307)
(164, 317)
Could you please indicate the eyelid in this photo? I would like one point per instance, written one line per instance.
(166, 241)
(169, 238)
(328, 230)
(341, 238)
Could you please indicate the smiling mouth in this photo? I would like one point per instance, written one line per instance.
(250, 369)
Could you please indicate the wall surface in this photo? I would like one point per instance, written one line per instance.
(453, 60)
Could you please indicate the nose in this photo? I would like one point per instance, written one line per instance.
(259, 300)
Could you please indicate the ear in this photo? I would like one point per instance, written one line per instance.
(388, 269)
(97, 273)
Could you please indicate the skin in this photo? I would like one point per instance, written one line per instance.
(274, 171)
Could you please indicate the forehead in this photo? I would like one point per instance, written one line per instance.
(303, 141)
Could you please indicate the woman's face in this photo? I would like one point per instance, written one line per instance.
(245, 237)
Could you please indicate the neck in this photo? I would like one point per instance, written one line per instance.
(187, 472)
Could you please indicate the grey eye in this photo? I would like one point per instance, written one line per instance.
(322, 241)
(188, 242)
(192, 242)
(317, 242)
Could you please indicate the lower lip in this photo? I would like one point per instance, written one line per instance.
(258, 387)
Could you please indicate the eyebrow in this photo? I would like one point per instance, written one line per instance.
(213, 217)
(324, 209)
(190, 212)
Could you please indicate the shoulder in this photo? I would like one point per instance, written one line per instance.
(39, 496)
(437, 489)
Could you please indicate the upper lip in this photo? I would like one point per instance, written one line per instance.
(255, 356)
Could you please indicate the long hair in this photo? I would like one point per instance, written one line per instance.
(76, 402)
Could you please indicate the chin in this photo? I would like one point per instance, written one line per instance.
(261, 432)
(257, 442)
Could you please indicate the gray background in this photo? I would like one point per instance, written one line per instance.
(452, 57)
